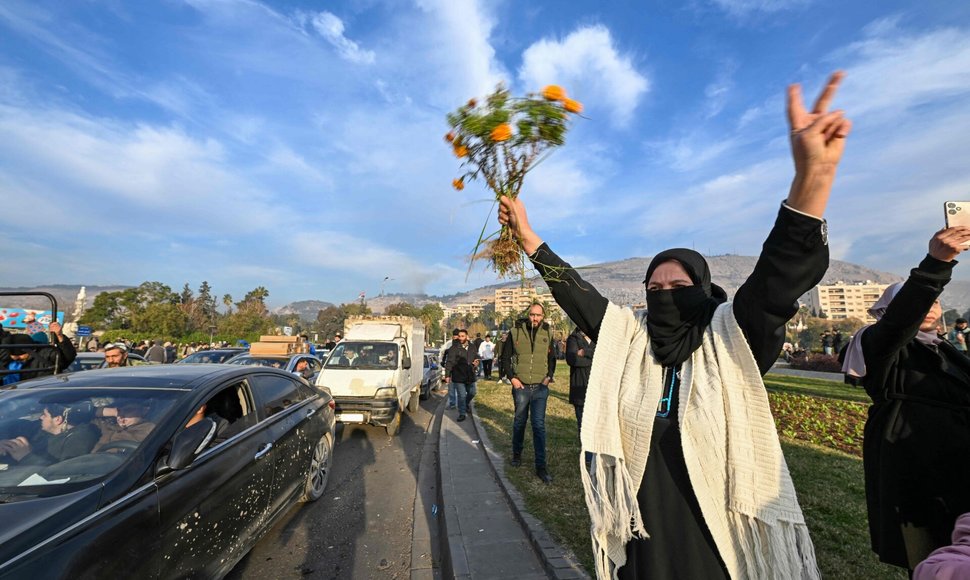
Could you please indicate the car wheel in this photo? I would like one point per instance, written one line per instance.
(394, 425)
(316, 480)
(425, 391)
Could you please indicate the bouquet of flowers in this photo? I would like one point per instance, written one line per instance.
(498, 140)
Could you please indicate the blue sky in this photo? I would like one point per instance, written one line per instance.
(298, 145)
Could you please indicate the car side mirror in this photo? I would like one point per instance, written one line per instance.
(406, 362)
(189, 443)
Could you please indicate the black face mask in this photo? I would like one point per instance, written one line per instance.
(677, 319)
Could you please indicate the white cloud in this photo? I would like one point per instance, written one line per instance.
(456, 44)
(588, 65)
(690, 152)
(895, 71)
(718, 91)
(331, 28)
(741, 8)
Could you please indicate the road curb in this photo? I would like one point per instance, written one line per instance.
(560, 563)
(427, 562)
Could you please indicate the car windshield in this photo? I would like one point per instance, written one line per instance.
(53, 439)
(275, 362)
(364, 355)
(210, 356)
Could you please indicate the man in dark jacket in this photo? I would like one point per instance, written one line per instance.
(29, 361)
(579, 357)
(528, 362)
(461, 369)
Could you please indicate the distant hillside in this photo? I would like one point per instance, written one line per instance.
(306, 309)
(622, 281)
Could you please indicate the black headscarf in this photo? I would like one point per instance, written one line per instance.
(677, 319)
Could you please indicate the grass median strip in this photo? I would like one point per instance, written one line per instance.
(828, 481)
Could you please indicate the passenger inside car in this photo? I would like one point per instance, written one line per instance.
(124, 423)
(65, 432)
(229, 409)
(349, 358)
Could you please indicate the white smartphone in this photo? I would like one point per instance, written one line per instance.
(957, 213)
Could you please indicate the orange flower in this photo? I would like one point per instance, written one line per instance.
(553, 93)
(572, 106)
(502, 132)
(450, 136)
(458, 184)
(472, 103)
(461, 151)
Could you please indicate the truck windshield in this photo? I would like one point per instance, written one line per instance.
(364, 355)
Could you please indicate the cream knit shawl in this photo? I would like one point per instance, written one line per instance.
(731, 449)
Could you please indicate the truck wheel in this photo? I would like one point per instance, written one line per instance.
(425, 394)
(413, 401)
(394, 425)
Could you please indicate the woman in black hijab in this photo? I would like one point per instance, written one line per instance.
(680, 303)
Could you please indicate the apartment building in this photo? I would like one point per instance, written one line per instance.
(845, 300)
(517, 300)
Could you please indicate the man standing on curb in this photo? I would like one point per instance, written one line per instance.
(529, 363)
(461, 369)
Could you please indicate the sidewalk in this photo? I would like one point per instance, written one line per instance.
(487, 532)
(779, 369)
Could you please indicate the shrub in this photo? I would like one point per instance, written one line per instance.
(825, 363)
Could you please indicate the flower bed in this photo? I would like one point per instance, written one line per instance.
(828, 422)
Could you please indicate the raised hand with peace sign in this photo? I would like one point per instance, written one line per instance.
(817, 142)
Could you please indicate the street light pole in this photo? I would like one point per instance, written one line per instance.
(386, 278)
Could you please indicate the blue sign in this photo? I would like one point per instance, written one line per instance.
(83, 331)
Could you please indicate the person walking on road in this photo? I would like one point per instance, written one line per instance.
(443, 355)
(688, 477)
(486, 352)
(529, 364)
(461, 370)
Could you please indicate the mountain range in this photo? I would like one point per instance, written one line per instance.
(620, 281)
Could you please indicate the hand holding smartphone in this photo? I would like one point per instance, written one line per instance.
(957, 213)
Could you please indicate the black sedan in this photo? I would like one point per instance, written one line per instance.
(166, 471)
(213, 356)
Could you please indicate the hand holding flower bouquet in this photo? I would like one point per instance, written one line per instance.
(499, 141)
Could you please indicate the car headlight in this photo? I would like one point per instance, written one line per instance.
(386, 393)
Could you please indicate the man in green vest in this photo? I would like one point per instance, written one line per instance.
(529, 363)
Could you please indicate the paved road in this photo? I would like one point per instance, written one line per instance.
(361, 527)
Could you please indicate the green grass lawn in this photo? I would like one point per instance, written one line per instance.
(811, 387)
(829, 483)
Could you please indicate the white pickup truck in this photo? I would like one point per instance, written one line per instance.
(376, 370)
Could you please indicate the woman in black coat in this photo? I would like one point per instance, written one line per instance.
(916, 449)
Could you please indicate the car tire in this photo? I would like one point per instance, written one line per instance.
(394, 425)
(414, 400)
(425, 391)
(319, 475)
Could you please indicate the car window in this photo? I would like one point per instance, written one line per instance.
(274, 393)
(232, 411)
(54, 439)
(314, 364)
